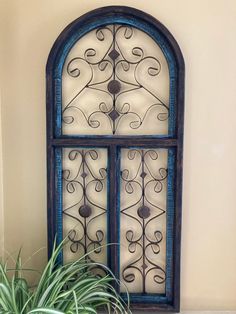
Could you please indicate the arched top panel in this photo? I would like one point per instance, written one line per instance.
(143, 100)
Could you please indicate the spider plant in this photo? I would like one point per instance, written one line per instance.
(62, 289)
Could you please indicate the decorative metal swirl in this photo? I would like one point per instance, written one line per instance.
(81, 182)
(122, 74)
(140, 243)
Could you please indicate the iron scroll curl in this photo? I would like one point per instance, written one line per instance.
(120, 75)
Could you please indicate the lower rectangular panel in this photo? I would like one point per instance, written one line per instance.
(84, 194)
(146, 224)
(144, 214)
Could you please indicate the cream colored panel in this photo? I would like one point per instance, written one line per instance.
(85, 202)
(143, 219)
(115, 81)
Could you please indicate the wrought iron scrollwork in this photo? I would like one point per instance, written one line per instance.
(81, 181)
(143, 245)
(121, 74)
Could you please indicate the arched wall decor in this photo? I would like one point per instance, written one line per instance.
(115, 113)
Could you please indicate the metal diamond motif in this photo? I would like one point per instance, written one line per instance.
(143, 175)
(114, 54)
(114, 115)
(144, 266)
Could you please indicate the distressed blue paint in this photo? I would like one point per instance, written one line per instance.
(108, 209)
(58, 182)
(170, 223)
(145, 298)
(113, 136)
(81, 30)
(58, 106)
(118, 208)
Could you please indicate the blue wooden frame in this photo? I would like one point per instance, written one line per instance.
(170, 301)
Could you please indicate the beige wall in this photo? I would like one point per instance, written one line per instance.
(205, 30)
(1, 193)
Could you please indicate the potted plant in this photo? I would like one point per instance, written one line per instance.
(62, 289)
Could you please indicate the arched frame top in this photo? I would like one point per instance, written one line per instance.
(126, 16)
(173, 142)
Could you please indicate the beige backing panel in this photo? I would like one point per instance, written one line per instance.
(143, 196)
(141, 105)
(1, 193)
(85, 203)
(1, 169)
(205, 31)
